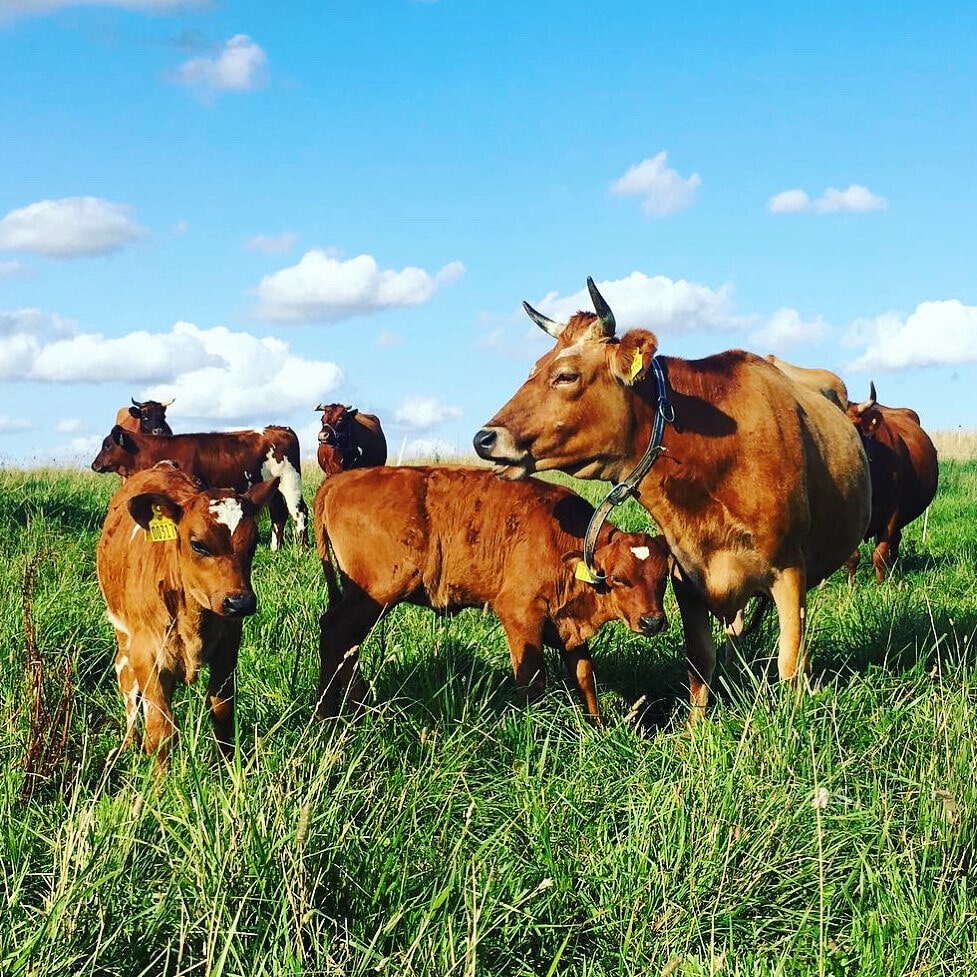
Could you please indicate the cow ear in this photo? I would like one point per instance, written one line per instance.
(120, 437)
(631, 357)
(258, 495)
(144, 506)
(574, 560)
(134, 412)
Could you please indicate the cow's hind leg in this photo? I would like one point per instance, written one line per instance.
(222, 687)
(342, 629)
(789, 594)
(156, 695)
(886, 550)
(278, 513)
(700, 650)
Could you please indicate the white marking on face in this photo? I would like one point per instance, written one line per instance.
(641, 552)
(227, 512)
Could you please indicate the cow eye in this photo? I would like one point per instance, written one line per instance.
(199, 548)
(619, 581)
(566, 376)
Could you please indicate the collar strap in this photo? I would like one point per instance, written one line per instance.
(665, 414)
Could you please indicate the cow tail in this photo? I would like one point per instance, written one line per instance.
(329, 569)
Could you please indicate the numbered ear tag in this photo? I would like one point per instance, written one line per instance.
(161, 528)
(582, 572)
(637, 362)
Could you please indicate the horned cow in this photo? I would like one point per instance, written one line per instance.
(349, 439)
(144, 417)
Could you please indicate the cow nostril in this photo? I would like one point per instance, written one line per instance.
(239, 605)
(484, 440)
(651, 623)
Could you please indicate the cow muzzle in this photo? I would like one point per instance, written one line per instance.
(652, 624)
(239, 605)
(497, 444)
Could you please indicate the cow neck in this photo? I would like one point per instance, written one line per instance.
(664, 414)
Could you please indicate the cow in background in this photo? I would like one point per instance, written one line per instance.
(146, 417)
(453, 537)
(905, 473)
(233, 459)
(349, 439)
(174, 566)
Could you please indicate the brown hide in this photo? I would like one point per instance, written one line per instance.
(905, 473)
(177, 604)
(763, 487)
(233, 459)
(349, 439)
(147, 417)
(825, 382)
(457, 537)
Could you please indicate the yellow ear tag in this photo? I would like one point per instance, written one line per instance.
(582, 572)
(637, 362)
(161, 528)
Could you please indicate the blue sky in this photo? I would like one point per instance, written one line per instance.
(255, 207)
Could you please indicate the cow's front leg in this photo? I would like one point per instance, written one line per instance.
(579, 666)
(342, 628)
(131, 697)
(789, 593)
(222, 687)
(700, 650)
(524, 631)
(156, 694)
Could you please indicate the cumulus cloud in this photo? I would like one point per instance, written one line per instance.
(785, 329)
(655, 302)
(422, 412)
(270, 243)
(663, 191)
(240, 65)
(324, 288)
(69, 227)
(936, 333)
(15, 8)
(14, 425)
(855, 199)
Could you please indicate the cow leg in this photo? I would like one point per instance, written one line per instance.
(579, 666)
(525, 650)
(156, 693)
(700, 650)
(222, 687)
(851, 565)
(789, 594)
(886, 549)
(129, 688)
(278, 513)
(342, 628)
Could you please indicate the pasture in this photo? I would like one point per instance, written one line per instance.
(454, 832)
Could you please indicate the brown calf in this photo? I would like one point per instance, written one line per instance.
(349, 439)
(174, 567)
(453, 537)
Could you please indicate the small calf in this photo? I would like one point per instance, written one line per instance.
(454, 537)
(174, 567)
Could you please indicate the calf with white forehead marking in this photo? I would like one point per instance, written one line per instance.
(174, 566)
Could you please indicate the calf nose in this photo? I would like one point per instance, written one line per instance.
(651, 624)
(240, 605)
(484, 441)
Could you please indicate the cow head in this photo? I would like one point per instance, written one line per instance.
(866, 416)
(633, 570)
(151, 415)
(576, 411)
(337, 443)
(117, 453)
(215, 535)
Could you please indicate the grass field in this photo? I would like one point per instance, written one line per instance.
(455, 832)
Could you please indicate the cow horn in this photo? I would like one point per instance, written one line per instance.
(865, 404)
(135, 403)
(319, 407)
(549, 326)
(602, 309)
(167, 402)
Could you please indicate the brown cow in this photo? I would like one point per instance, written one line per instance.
(232, 459)
(762, 487)
(174, 567)
(349, 439)
(146, 417)
(902, 461)
(828, 384)
(454, 537)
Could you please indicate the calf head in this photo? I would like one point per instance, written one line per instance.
(151, 415)
(633, 574)
(117, 454)
(866, 416)
(337, 448)
(213, 532)
(575, 412)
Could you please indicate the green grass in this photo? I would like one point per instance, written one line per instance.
(455, 832)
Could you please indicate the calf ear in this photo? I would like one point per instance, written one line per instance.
(143, 507)
(258, 495)
(631, 357)
(574, 560)
(120, 436)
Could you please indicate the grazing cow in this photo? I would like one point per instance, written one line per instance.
(760, 487)
(233, 459)
(174, 567)
(349, 439)
(454, 537)
(148, 417)
(904, 469)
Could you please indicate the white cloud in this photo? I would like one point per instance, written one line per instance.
(323, 288)
(654, 303)
(936, 333)
(270, 243)
(789, 202)
(388, 340)
(240, 65)
(422, 412)
(14, 425)
(14, 8)
(69, 425)
(69, 228)
(785, 329)
(856, 199)
(663, 190)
